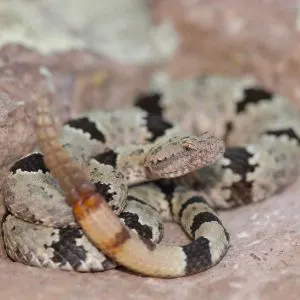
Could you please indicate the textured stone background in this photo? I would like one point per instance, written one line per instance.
(100, 54)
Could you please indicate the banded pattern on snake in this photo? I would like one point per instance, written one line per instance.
(189, 174)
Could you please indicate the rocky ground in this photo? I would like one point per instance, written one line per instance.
(101, 55)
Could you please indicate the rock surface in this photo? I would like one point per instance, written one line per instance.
(263, 263)
(100, 56)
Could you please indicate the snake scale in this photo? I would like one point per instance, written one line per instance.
(163, 158)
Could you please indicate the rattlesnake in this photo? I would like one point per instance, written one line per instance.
(143, 143)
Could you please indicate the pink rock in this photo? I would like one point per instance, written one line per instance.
(229, 36)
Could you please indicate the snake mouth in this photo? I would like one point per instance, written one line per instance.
(182, 155)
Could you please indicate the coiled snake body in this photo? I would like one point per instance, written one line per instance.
(189, 176)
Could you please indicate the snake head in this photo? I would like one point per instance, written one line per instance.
(181, 155)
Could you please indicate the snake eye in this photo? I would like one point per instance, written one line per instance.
(189, 146)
